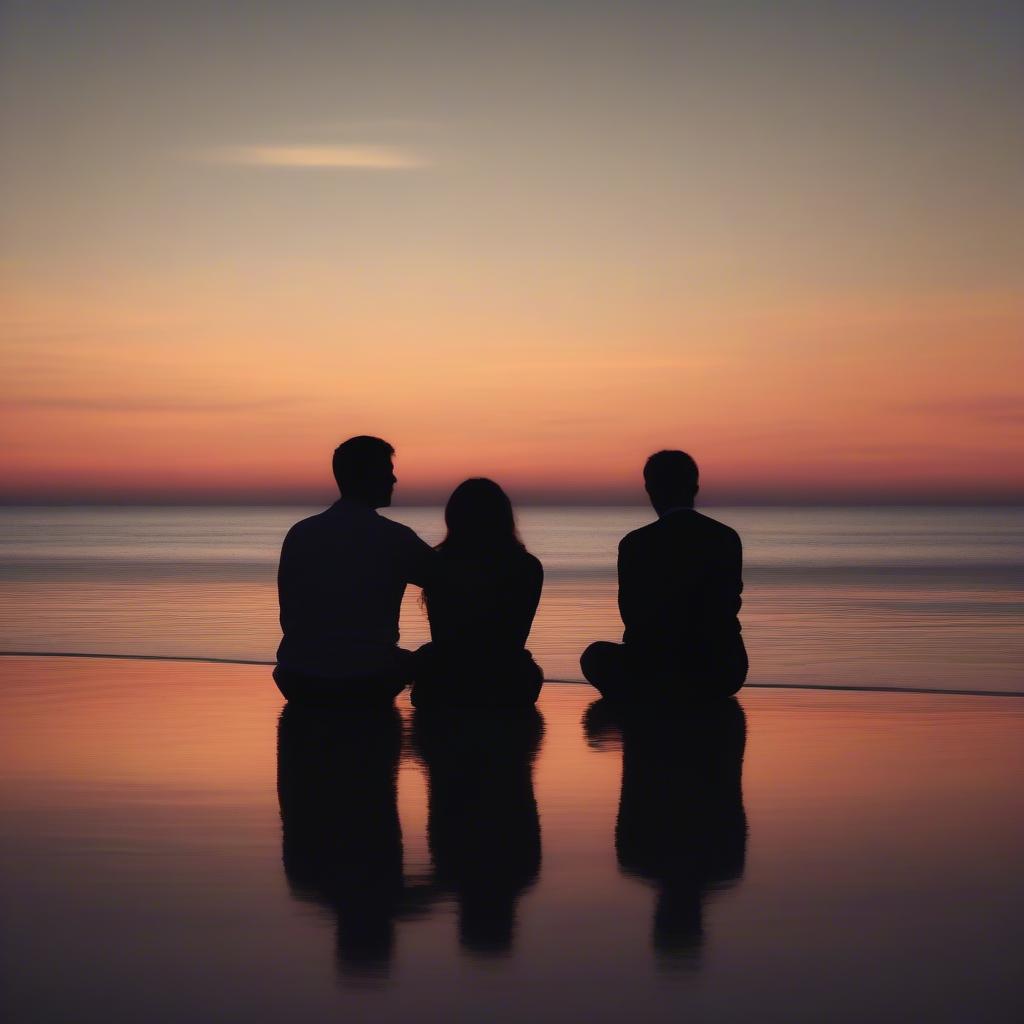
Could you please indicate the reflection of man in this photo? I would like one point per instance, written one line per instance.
(681, 826)
(680, 580)
(340, 584)
(341, 837)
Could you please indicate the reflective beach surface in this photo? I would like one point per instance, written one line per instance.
(174, 848)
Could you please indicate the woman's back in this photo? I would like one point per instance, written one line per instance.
(484, 602)
(481, 606)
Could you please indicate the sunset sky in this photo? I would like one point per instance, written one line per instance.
(535, 241)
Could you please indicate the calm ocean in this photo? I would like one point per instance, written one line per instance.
(907, 597)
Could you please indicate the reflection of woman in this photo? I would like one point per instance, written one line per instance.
(481, 606)
(482, 822)
(681, 825)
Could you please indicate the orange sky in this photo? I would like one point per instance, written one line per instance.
(530, 245)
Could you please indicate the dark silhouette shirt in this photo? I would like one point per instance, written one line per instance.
(484, 605)
(340, 585)
(680, 580)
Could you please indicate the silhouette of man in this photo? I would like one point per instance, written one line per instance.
(680, 580)
(340, 585)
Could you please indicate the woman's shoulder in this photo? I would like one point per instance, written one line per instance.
(516, 562)
(528, 568)
(533, 562)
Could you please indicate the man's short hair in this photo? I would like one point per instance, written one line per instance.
(359, 459)
(671, 473)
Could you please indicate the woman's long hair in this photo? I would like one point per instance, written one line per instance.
(480, 520)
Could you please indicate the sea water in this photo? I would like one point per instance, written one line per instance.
(896, 597)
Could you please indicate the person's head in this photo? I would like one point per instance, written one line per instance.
(364, 471)
(479, 516)
(671, 480)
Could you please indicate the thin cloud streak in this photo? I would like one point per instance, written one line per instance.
(143, 405)
(350, 157)
(1004, 408)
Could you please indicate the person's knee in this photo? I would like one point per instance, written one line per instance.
(358, 691)
(588, 659)
(405, 666)
(725, 675)
(536, 675)
(597, 660)
(285, 682)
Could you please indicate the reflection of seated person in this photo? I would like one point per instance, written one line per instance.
(680, 580)
(480, 602)
(681, 824)
(482, 823)
(340, 583)
(341, 837)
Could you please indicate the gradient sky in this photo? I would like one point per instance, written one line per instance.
(534, 241)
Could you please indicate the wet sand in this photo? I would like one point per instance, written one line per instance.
(173, 849)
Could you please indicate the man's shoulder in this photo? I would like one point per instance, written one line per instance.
(308, 526)
(397, 532)
(640, 536)
(637, 536)
(688, 522)
(714, 528)
(407, 545)
(354, 527)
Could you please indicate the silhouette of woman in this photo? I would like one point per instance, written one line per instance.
(480, 606)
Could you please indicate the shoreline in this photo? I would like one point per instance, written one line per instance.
(814, 687)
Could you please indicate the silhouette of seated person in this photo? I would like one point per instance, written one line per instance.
(681, 825)
(480, 602)
(483, 828)
(680, 580)
(341, 837)
(340, 583)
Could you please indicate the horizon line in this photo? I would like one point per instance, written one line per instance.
(523, 501)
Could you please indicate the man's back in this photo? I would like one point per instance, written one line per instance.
(341, 580)
(680, 580)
